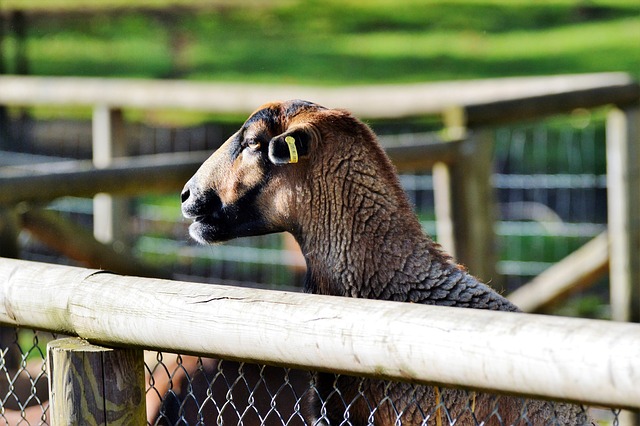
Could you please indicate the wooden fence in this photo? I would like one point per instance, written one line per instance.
(461, 163)
(586, 361)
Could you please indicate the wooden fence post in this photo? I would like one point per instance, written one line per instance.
(471, 198)
(94, 385)
(623, 189)
(108, 142)
(623, 186)
(445, 228)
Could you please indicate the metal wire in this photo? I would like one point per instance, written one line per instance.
(219, 392)
(23, 377)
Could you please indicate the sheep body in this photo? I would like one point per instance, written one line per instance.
(360, 238)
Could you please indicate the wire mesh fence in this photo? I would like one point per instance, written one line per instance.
(23, 377)
(237, 393)
(188, 390)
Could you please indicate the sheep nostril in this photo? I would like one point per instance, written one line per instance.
(185, 195)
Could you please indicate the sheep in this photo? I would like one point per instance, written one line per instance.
(321, 175)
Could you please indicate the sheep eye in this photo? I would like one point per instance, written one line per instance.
(253, 144)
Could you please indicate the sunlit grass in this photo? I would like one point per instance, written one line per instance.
(69, 55)
(70, 5)
(341, 42)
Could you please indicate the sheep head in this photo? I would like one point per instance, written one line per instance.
(245, 187)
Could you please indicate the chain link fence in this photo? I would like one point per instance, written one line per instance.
(188, 390)
(23, 376)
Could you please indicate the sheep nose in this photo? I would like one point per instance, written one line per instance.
(198, 203)
(186, 194)
(190, 202)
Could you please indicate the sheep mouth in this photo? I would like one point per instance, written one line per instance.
(206, 218)
(208, 229)
(215, 221)
(222, 226)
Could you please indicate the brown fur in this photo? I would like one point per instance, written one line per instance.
(360, 238)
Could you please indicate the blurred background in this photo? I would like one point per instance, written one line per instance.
(319, 42)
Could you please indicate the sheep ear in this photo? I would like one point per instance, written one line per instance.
(289, 147)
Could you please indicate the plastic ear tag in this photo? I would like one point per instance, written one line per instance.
(293, 151)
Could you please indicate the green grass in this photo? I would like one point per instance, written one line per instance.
(340, 42)
(70, 5)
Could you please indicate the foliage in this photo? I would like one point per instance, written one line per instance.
(337, 42)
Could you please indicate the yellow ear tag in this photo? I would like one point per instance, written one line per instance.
(293, 152)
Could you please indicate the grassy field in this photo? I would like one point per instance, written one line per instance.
(329, 42)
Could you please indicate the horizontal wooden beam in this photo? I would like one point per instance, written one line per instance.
(534, 107)
(156, 173)
(380, 101)
(422, 157)
(125, 176)
(580, 269)
(588, 361)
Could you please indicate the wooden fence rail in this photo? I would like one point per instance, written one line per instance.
(156, 173)
(125, 176)
(588, 361)
(380, 101)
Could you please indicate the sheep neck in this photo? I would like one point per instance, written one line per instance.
(360, 237)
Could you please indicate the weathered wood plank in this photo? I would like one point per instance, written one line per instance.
(578, 270)
(381, 101)
(95, 385)
(499, 351)
(155, 173)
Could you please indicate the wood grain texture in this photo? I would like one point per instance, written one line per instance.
(595, 362)
(94, 385)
